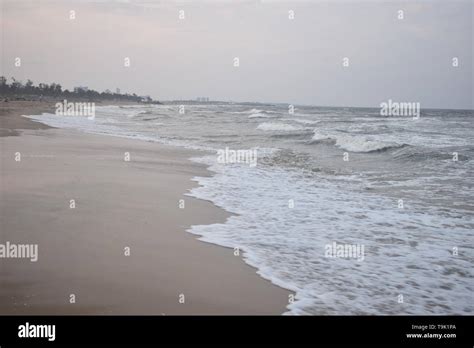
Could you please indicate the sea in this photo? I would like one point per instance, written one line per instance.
(325, 183)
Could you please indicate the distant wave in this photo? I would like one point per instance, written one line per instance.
(361, 144)
(260, 115)
(354, 143)
(300, 134)
(302, 121)
(417, 154)
(271, 126)
(251, 111)
(136, 113)
(151, 119)
(255, 113)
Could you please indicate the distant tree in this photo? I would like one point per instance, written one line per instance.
(3, 85)
(43, 88)
(58, 89)
(16, 86)
(29, 86)
(55, 89)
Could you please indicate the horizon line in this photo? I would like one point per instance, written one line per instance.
(302, 104)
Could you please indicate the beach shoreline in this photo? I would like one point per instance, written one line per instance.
(111, 234)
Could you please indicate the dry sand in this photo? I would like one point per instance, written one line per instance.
(118, 204)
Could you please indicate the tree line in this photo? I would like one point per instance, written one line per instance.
(17, 89)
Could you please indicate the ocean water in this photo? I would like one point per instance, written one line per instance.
(400, 187)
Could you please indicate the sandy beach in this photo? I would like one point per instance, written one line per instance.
(118, 205)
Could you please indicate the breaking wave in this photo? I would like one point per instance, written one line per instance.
(354, 143)
(278, 127)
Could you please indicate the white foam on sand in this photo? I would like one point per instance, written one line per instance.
(405, 251)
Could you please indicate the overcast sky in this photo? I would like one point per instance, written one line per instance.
(297, 61)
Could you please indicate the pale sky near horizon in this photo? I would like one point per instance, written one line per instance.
(297, 61)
